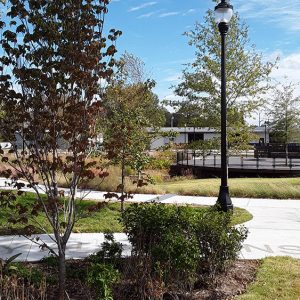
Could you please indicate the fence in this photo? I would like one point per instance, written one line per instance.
(277, 150)
(244, 161)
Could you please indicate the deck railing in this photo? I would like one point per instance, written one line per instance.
(245, 160)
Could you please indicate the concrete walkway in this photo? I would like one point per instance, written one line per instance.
(273, 231)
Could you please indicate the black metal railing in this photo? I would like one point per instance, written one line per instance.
(246, 160)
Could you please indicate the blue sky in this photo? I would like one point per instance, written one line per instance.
(153, 31)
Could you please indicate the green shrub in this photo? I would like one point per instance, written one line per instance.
(162, 160)
(219, 242)
(102, 277)
(164, 233)
(181, 244)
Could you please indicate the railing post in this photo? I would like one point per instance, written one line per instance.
(242, 162)
(291, 163)
(274, 162)
(187, 157)
(257, 162)
(194, 158)
(215, 160)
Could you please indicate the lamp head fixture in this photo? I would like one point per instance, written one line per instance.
(223, 12)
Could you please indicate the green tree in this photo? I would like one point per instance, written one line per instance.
(285, 115)
(132, 72)
(247, 74)
(131, 108)
(239, 137)
(54, 54)
(126, 138)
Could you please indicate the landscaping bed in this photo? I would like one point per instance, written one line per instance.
(267, 279)
(228, 285)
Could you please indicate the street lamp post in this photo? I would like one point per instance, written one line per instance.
(223, 14)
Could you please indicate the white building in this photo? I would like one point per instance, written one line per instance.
(185, 135)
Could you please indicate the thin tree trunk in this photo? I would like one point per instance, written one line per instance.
(286, 139)
(62, 275)
(123, 185)
(286, 153)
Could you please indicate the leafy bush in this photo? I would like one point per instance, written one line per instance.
(181, 244)
(219, 242)
(162, 160)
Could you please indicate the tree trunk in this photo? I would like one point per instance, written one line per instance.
(62, 275)
(286, 154)
(286, 138)
(122, 185)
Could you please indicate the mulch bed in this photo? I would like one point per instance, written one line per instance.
(228, 285)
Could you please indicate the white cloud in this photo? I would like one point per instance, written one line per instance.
(173, 78)
(190, 11)
(143, 5)
(285, 13)
(169, 14)
(288, 70)
(148, 15)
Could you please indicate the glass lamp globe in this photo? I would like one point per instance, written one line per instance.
(223, 12)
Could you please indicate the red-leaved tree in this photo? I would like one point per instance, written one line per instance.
(53, 61)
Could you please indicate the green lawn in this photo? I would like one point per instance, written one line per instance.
(277, 278)
(277, 188)
(102, 220)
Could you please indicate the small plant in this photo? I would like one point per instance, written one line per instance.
(17, 281)
(50, 261)
(28, 273)
(103, 276)
(110, 253)
(6, 265)
(103, 272)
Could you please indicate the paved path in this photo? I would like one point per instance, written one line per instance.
(274, 230)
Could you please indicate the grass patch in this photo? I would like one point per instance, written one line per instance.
(107, 219)
(276, 188)
(277, 278)
(240, 215)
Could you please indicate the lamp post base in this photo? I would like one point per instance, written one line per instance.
(224, 199)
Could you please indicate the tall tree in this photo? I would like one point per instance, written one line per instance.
(247, 74)
(132, 108)
(284, 110)
(126, 139)
(54, 55)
